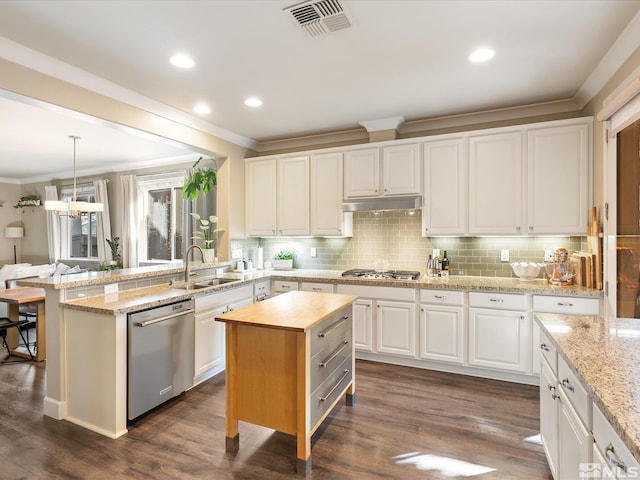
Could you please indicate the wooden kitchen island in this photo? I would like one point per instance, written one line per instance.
(289, 360)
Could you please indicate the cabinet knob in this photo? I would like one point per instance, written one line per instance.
(543, 346)
(517, 229)
(531, 229)
(273, 231)
(566, 384)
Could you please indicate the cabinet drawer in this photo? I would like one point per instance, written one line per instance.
(379, 293)
(548, 351)
(570, 305)
(324, 363)
(575, 392)
(502, 301)
(328, 391)
(609, 444)
(261, 290)
(283, 286)
(442, 297)
(327, 335)
(316, 287)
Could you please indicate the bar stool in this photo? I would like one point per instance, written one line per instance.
(6, 323)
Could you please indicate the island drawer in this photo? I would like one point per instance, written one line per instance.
(330, 390)
(442, 297)
(569, 305)
(548, 351)
(327, 335)
(501, 301)
(607, 441)
(326, 362)
(575, 392)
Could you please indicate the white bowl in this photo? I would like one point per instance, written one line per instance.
(527, 272)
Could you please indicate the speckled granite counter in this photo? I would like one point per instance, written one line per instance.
(605, 355)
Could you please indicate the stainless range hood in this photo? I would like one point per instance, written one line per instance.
(411, 202)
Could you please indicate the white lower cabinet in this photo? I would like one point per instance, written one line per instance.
(396, 327)
(610, 454)
(209, 341)
(499, 331)
(549, 415)
(442, 326)
(574, 440)
(363, 325)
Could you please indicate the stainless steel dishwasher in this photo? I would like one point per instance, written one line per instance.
(160, 355)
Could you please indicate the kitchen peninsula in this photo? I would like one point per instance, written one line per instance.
(289, 360)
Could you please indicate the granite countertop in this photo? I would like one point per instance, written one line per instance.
(605, 355)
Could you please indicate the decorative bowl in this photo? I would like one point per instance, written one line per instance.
(527, 271)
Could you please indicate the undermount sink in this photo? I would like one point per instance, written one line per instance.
(203, 284)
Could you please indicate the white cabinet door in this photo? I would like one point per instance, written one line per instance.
(261, 207)
(209, 341)
(558, 180)
(549, 415)
(498, 339)
(442, 334)
(363, 325)
(575, 443)
(362, 173)
(444, 203)
(495, 184)
(401, 170)
(327, 217)
(293, 196)
(396, 328)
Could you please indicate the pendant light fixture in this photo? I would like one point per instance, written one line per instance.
(74, 208)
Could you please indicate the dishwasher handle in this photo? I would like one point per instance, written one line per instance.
(162, 319)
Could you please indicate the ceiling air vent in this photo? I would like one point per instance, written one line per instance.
(319, 17)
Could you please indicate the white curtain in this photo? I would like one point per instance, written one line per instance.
(103, 221)
(53, 225)
(130, 221)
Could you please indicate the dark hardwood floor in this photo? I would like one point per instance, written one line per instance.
(404, 419)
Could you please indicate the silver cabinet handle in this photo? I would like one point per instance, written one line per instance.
(566, 384)
(316, 289)
(612, 456)
(543, 346)
(552, 389)
(344, 375)
(441, 297)
(285, 287)
(564, 304)
(531, 229)
(332, 327)
(162, 319)
(496, 300)
(517, 229)
(331, 357)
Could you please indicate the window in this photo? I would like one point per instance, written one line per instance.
(163, 216)
(79, 235)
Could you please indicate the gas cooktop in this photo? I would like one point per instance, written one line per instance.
(387, 275)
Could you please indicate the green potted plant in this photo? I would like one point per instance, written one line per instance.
(283, 260)
(207, 234)
(203, 180)
(116, 255)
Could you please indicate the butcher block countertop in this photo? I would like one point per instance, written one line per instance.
(294, 311)
(605, 355)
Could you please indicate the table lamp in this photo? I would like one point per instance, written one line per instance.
(14, 232)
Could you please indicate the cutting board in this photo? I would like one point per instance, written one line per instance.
(594, 241)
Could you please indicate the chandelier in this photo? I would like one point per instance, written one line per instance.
(74, 208)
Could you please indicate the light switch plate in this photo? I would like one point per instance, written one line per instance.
(111, 288)
(436, 252)
(504, 255)
(314, 252)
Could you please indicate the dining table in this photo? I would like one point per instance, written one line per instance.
(14, 297)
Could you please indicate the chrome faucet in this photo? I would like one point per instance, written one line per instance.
(186, 261)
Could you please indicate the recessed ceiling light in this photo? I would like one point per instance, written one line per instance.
(202, 109)
(481, 55)
(182, 61)
(253, 102)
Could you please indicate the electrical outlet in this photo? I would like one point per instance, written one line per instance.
(504, 255)
(548, 255)
(236, 253)
(111, 288)
(314, 252)
(436, 252)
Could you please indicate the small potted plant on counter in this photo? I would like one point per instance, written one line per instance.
(283, 260)
(207, 234)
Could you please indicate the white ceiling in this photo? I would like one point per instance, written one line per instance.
(399, 58)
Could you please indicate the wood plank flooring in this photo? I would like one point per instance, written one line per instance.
(403, 419)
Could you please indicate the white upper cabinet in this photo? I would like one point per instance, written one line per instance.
(260, 186)
(327, 217)
(362, 173)
(400, 171)
(277, 195)
(444, 202)
(495, 184)
(558, 176)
